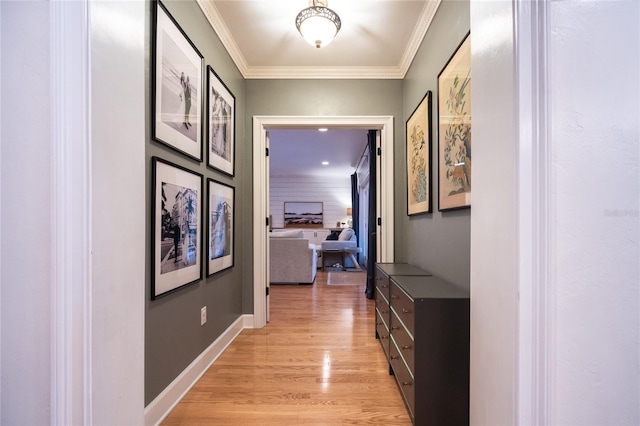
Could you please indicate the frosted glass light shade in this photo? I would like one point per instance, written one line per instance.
(318, 25)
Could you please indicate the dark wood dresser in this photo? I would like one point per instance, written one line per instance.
(427, 345)
(383, 274)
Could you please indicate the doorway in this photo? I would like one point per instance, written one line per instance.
(261, 124)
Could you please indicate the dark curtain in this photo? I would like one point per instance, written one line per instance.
(355, 204)
(373, 220)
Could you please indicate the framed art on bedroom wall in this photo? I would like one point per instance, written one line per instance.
(303, 214)
(454, 130)
(418, 144)
(177, 97)
(177, 224)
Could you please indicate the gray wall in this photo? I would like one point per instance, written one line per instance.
(438, 241)
(174, 337)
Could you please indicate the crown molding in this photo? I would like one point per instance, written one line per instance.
(324, 73)
(373, 73)
(211, 13)
(420, 30)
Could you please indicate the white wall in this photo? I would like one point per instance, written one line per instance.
(25, 296)
(72, 160)
(333, 192)
(118, 48)
(555, 322)
(493, 271)
(594, 74)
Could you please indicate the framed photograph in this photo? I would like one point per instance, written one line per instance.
(177, 219)
(303, 215)
(221, 124)
(220, 226)
(419, 158)
(177, 70)
(454, 130)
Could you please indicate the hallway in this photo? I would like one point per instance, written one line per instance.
(317, 362)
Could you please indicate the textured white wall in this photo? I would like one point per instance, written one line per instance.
(557, 345)
(594, 85)
(25, 284)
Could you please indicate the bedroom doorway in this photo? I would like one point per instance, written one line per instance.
(384, 190)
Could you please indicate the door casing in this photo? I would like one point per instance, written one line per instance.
(261, 124)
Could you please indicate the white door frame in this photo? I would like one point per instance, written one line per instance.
(260, 202)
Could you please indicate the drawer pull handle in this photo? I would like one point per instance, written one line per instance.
(385, 285)
(394, 297)
(384, 312)
(394, 327)
(384, 337)
(394, 357)
(379, 323)
(406, 347)
(406, 383)
(405, 311)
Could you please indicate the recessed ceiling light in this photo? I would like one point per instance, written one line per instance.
(325, 163)
(323, 129)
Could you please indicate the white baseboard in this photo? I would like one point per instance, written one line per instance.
(162, 405)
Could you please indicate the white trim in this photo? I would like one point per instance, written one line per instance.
(534, 241)
(260, 203)
(161, 406)
(71, 396)
(312, 72)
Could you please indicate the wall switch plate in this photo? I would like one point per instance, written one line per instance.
(203, 315)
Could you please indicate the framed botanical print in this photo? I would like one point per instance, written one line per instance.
(177, 219)
(454, 130)
(418, 134)
(221, 113)
(220, 226)
(177, 99)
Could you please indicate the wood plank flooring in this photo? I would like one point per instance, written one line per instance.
(317, 362)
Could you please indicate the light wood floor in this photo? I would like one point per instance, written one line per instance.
(317, 362)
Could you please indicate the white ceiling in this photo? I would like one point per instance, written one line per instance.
(298, 152)
(378, 38)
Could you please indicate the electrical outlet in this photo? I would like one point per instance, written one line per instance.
(203, 315)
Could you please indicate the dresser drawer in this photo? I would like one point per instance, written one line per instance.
(382, 284)
(403, 377)
(403, 306)
(382, 330)
(404, 341)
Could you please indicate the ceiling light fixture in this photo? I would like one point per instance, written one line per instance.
(323, 129)
(318, 24)
(325, 163)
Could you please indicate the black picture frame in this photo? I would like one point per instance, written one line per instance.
(221, 124)
(220, 226)
(418, 145)
(177, 224)
(454, 130)
(177, 81)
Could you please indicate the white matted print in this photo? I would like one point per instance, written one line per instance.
(221, 105)
(220, 230)
(177, 94)
(177, 213)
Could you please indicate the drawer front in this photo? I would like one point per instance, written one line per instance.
(382, 283)
(403, 306)
(404, 341)
(383, 333)
(403, 377)
(382, 306)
